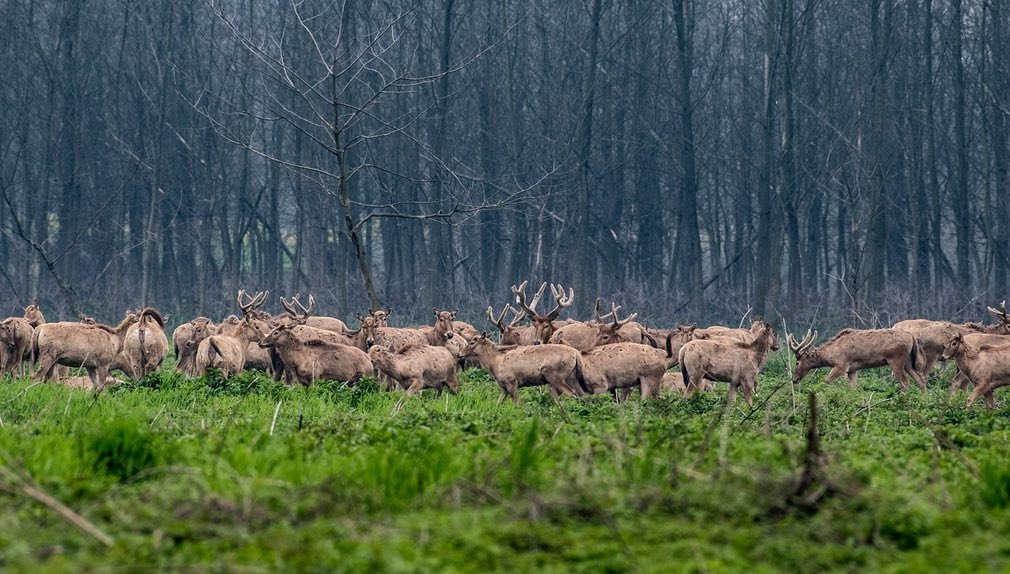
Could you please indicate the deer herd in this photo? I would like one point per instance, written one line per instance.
(607, 354)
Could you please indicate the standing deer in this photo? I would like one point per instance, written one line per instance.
(186, 339)
(606, 330)
(313, 359)
(145, 345)
(228, 350)
(853, 350)
(988, 366)
(418, 368)
(526, 366)
(16, 341)
(622, 366)
(727, 360)
(74, 344)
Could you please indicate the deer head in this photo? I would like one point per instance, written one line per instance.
(806, 358)
(543, 326)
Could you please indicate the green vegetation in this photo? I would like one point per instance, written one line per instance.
(181, 473)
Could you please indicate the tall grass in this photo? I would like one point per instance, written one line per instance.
(187, 472)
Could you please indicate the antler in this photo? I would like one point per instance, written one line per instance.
(251, 303)
(520, 293)
(596, 311)
(803, 345)
(614, 307)
(1001, 313)
(500, 321)
(301, 312)
(563, 300)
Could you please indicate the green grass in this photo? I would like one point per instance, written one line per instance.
(185, 474)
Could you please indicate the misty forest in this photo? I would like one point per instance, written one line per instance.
(824, 160)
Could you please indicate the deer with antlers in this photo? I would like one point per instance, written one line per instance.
(853, 350)
(607, 329)
(727, 360)
(541, 326)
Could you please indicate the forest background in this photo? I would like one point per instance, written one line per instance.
(811, 160)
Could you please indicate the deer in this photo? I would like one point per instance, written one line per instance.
(185, 340)
(622, 366)
(852, 350)
(514, 367)
(398, 339)
(33, 314)
(75, 344)
(313, 359)
(381, 316)
(228, 350)
(606, 330)
(541, 325)
(975, 339)
(418, 368)
(727, 360)
(15, 344)
(987, 366)
(933, 335)
(146, 345)
(316, 321)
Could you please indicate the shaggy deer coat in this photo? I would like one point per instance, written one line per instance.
(987, 366)
(516, 367)
(16, 342)
(93, 347)
(853, 350)
(727, 360)
(418, 368)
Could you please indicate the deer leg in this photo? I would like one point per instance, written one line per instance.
(415, 385)
(731, 394)
(980, 389)
(45, 370)
(748, 393)
(835, 373)
(93, 375)
(453, 383)
(990, 400)
(852, 379)
(916, 376)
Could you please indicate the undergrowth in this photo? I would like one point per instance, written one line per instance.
(245, 473)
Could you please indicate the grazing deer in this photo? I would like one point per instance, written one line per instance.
(186, 339)
(146, 345)
(853, 350)
(74, 344)
(526, 366)
(418, 368)
(988, 366)
(727, 360)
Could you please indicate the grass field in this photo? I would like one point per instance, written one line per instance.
(200, 475)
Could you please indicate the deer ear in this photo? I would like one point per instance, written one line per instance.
(454, 312)
(434, 310)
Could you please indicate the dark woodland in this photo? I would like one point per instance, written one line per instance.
(808, 160)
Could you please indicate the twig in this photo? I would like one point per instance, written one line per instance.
(277, 411)
(24, 486)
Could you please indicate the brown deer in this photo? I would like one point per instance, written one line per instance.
(933, 335)
(228, 350)
(146, 345)
(542, 325)
(315, 321)
(185, 340)
(622, 366)
(988, 366)
(853, 350)
(381, 316)
(418, 368)
(727, 360)
(16, 342)
(526, 366)
(960, 381)
(315, 359)
(398, 339)
(33, 314)
(74, 344)
(607, 329)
